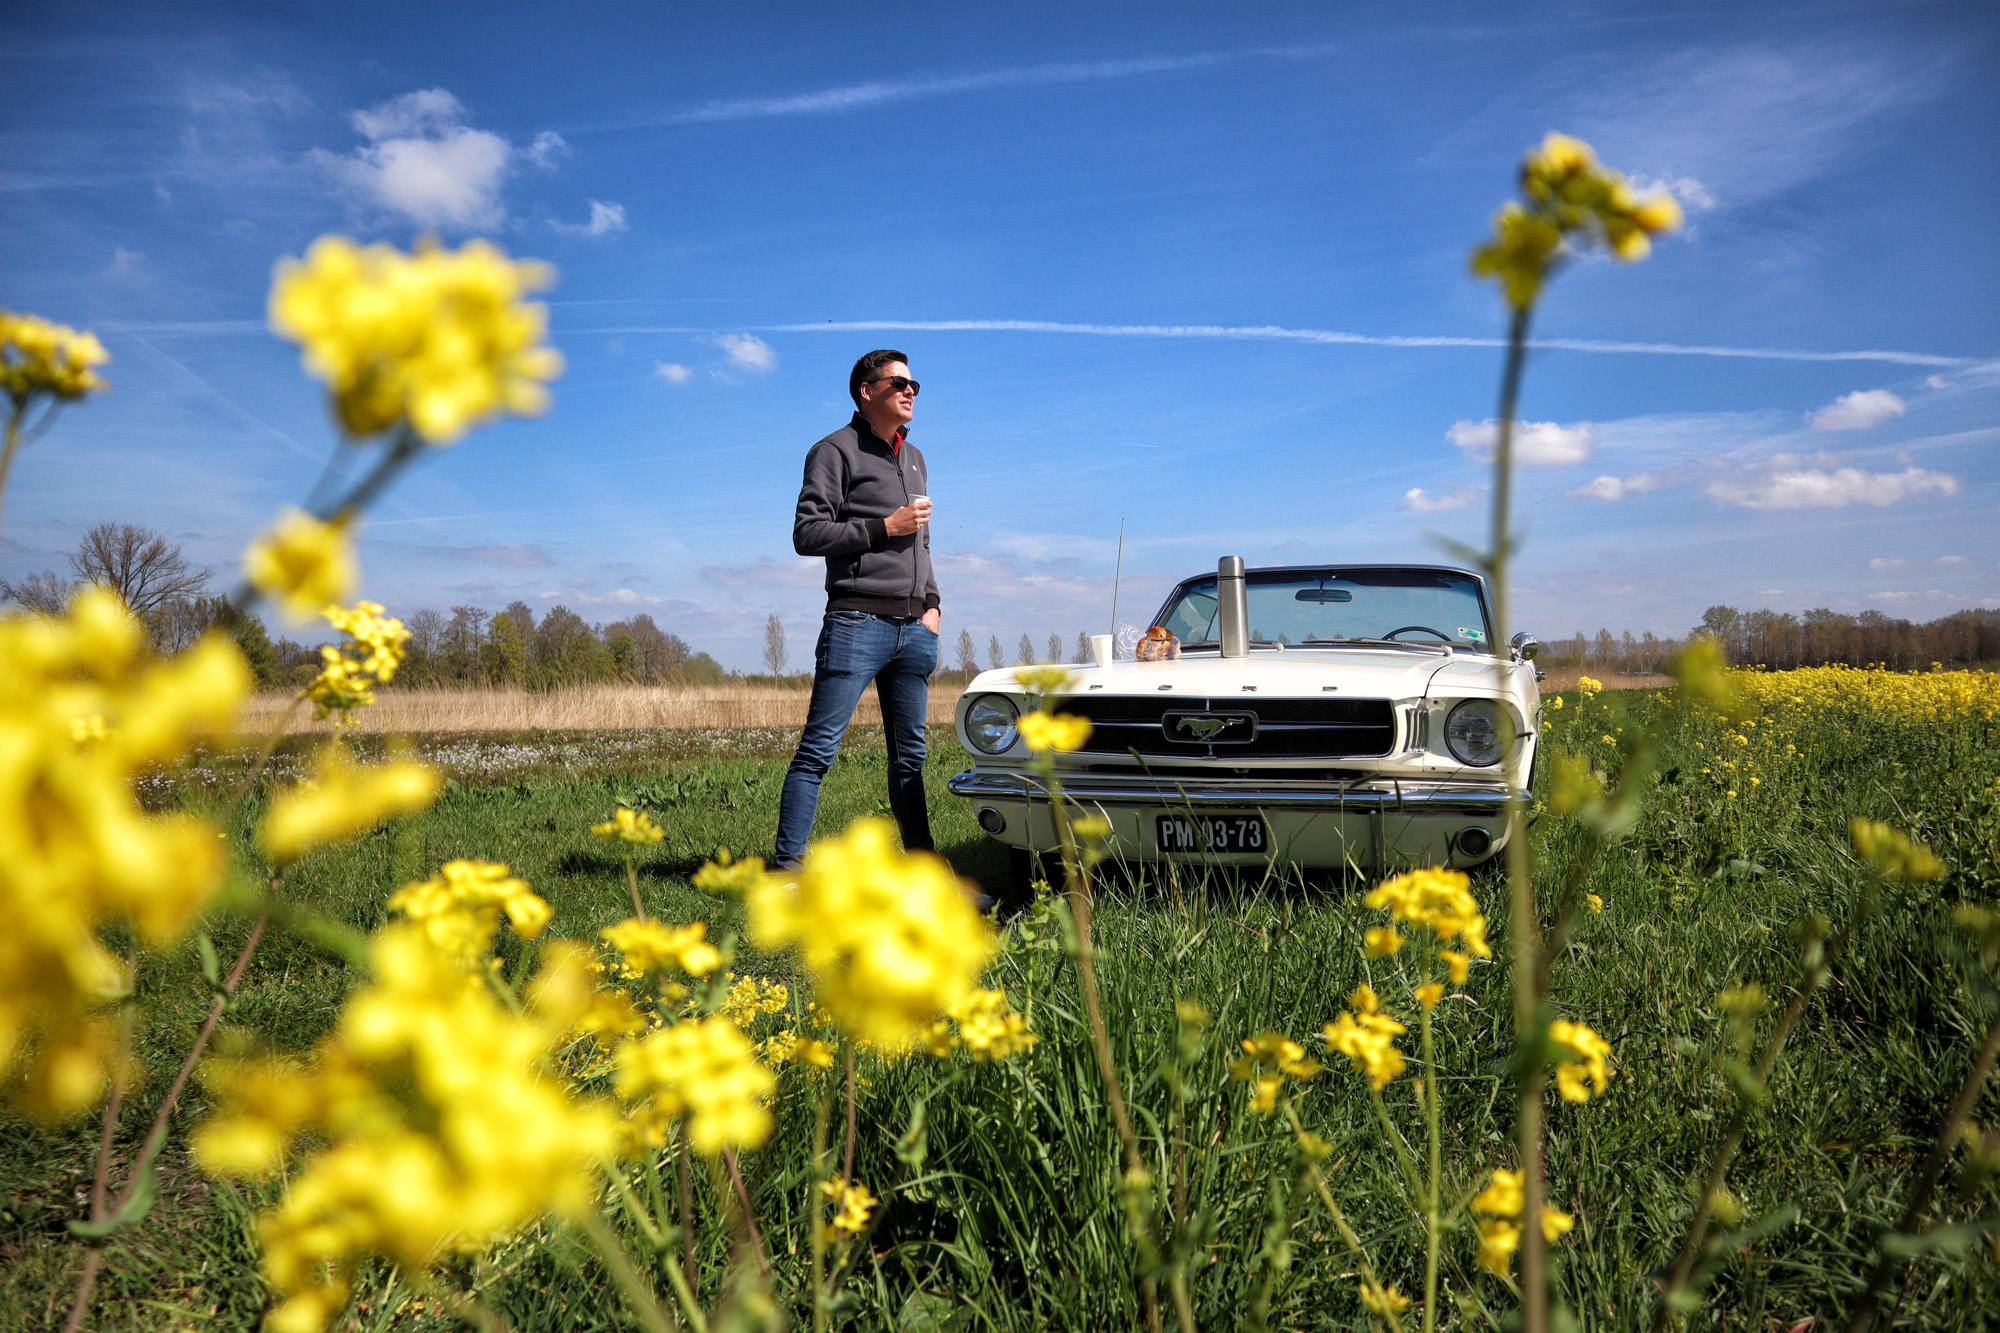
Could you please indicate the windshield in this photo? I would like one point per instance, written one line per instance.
(1300, 607)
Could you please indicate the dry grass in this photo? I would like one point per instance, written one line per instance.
(584, 708)
(1561, 680)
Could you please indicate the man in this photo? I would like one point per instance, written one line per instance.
(865, 507)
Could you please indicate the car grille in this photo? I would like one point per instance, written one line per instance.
(1285, 728)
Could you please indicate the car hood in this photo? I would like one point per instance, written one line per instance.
(1366, 673)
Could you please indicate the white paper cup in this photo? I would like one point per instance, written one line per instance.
(1101, 649)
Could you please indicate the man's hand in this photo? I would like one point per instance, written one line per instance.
(931, 620)
(908, 519)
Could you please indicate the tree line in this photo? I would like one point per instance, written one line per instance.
(1780, 640)
(177, 603)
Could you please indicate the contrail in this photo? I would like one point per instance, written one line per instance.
(1275, 333)
(854, 96)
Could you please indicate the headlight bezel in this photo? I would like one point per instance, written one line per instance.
(1009, 736)
(1470, 713)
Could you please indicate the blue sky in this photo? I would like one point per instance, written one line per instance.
(1201, 268)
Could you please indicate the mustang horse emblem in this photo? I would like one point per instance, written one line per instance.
(1205, 728)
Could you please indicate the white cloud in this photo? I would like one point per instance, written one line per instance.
(617, 597)
(1938, 382)
(1536, 443)
(1694, 197)
(605, 218)
(1908, 596)
(1418, 501)
(125, 262)
(748, 351)
(1618, 488)
(1883, 563)
(1817, 488)
(1857, 411)
(768, 573)
(424, 161)
(672, 372)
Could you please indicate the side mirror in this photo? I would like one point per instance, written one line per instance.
(1525, 647)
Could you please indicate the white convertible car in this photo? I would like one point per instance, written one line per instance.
(1319, 716)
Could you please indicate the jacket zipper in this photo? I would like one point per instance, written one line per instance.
(916, 538)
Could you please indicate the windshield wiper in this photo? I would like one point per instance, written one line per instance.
(1376, 643)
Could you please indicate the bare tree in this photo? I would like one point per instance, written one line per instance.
(968, 656)
(138, 564)
(774, 646)
(1082, 647)
(1055, 648)
(46, 593)
(993, 654)
(1025, 654)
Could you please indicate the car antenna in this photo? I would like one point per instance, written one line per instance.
(1117, 574)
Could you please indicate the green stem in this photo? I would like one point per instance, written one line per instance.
(1411, 1176)
(816, 1232)
(12, 442)
(632, 881)
(1340, 1222)
(1432, 1218)
(653, 1316)
(1927, 1177)
(1523, 924)
(657, 1238)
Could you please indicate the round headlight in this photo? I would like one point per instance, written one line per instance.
(991, 723)
(1472, 731)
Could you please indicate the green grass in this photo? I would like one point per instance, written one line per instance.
(1000, 1182)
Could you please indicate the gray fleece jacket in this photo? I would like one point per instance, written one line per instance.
(854, 480)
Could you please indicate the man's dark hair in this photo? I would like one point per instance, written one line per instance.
(865, 369)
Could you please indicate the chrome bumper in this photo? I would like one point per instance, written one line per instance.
(1368, 795)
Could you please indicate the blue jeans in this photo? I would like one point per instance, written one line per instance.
(854, 648)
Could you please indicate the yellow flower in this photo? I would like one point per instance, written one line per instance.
(1523, 246)
(38, 357)
(341, 799)
(443, 1130)
(633, 826)
(989, 1028)
(727, 877)
(1584, 1060)
(459, 911)
(78, 856)
(654, 946)
(706, 1071)
(1593, 902)
(854, 1204)
(1498, 1239)
(441, 339)
(1556, 704)
(891, 939)
(1429, 994)
(1459, 963)
(1054, 731)
(348, 673)
(748, 997)
(1587, 687)
(1383, 1300)
(1437, 898)
(1893, 853)
(302, 562)
(1381, 941)
(1367, 1037)
(1048, 678)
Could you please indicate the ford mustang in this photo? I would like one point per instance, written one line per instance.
(1318, 716)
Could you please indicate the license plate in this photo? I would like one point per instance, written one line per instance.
(1214, 833)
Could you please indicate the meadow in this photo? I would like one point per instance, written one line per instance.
(999, 1181)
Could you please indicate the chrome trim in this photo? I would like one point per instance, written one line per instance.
(1486, 799)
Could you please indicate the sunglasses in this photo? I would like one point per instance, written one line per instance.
(897, 382)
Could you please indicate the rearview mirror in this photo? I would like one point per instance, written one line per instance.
(1323, 595)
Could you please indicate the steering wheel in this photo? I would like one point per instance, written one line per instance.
(1423, 628)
